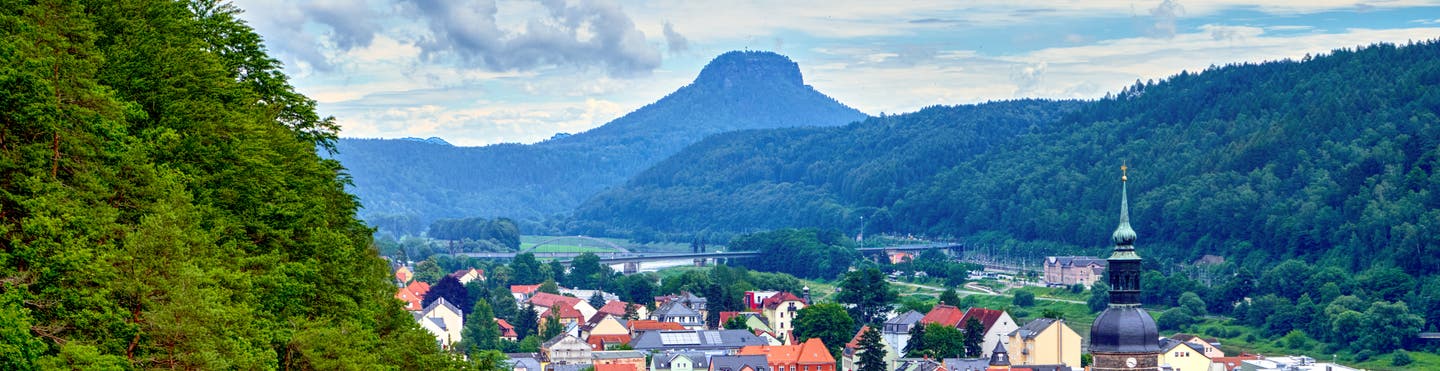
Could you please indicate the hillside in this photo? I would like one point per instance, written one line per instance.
(162, 204)
(1330, 159)
(406, 184)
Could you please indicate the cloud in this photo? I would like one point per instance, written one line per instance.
(674, 41)
(581, 34)
(1165, 15)
(353, 25)
(1028, 78)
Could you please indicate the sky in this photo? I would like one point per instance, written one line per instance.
(485, 72)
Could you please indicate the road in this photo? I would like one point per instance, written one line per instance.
(972, 286)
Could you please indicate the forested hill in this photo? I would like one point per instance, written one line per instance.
(162, 204)
(1332, 159)
(404, 185)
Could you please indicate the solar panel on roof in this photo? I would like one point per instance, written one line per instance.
(713, 337)
(679, 338)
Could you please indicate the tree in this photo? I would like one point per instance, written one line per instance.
(549, 286)
(1402, 359)
(553, 327)
(527, 322)
(943, 341)
(490, 360)
(596, 300)
(1174, 319)
(631, 312)
(505, 305)
(526, 269)
(1099, 297)
(950, 297)
(1386, 324)
(974, 338)
(827, 321)
(587, 272)
(453, 292)
(736, 323)
(1192, 304)
(869, 295)
(429, 272)
(1024, 298)
(480, 332)
(916, 346)
(872, 352)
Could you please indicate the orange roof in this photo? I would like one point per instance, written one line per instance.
(524, 289)
(1230, 363)
(614, 307)
(566, 311)
(855, 341)
(616, 367)
(412, 301)
(506, 330)
(811, 352)
(548, 300)
(775, 300)
(649, 325)
(403, 274)
(419, 287)
(725, 316)
(597, 342)
(943, 314)
(987, 317)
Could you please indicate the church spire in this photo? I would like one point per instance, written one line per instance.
(1124, 263)
(1124, 236)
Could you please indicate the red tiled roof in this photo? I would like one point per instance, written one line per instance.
(506, 330)
(614, 307)
(987, 317)
(548, 300)
(617, 367)
(648, 325)
(855, 341)
(412, 301)
(419, 287)
(566, 311)
(725, 316)
(811, 352)
(775, 300)
(597, 342)
(1231, 363)
(943, 314)
(524, 289)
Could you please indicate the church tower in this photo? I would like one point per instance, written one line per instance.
(1124, 336)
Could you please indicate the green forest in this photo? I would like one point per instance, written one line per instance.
(163, 205)
(1328, 162)
(406, 184)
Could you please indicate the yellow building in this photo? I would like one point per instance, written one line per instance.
(1182, 356)
(1044, 341)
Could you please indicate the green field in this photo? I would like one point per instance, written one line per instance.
(585, 245)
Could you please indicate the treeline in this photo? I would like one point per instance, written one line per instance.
(405, 184)
(807, 253)
(499, 232)
(162, 204)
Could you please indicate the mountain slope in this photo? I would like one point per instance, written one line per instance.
(406, 184)
(1330, 159)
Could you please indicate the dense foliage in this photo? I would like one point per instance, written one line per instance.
(405, 184)
(805, 253)
(162, 204)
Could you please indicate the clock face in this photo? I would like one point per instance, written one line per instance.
(1130, 362)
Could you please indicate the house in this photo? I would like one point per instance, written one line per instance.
(966, 364)
(586, 294)
(604, 324)
(566, 349)
(1230, 363)
(465, 276)
(443, 320)
(996, 324)
(617, 309)
(419, 288)
(1182, 356)
(1290, 363)
(676, 311)
(896, 331)
(779, 311)
(1211, 347)
(641, 325)
(548, 300)
(568, 316)
(946, 315)
(1044, 341)
(412, 301)
(507, 331)
(524, 361)
(709, 341)
(618, 367)
(897, 257)
(628, 359)
(1070, 270)
(919, 364)
(607, 342)
(739, 363)
(812, 355)
(686, 299)
(850, 355)
(522, 293)
(680, 361)
(754, 298)
(404, 275)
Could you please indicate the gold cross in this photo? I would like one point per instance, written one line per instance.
(1124, 174)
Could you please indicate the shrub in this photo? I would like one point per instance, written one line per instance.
(1402, 358)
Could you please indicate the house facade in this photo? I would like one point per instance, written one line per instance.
(443, 320)
(779, 311)
(566, 349)
(680, 361)
(812, 355)
(996, 324)
(675, 311)
(1070, 270)
(633, 360)
(1044, 341)
(897, 329)
(1182, 356)
(1211, 347)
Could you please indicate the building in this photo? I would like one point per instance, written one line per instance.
(897, 329)
(1182, 356)
(1211, 347)
(443, 320)
(754, 298)
(1230, 363)
(919, 364)
(678, 312)
(618, 367)
(739, 363)
(1044, 341)
(507, 331)
(850, 355)
(404, 275)
(617, 308)
(522, 292)
(897, 257)
(709, 341)
(779, 311)
(1070, 270)
(994, 323)
(465, 276)
(812, 355)
(566, 349)
(1124, 336)
(524, 361)
(412, 300)
(680, 361)
(686, 299)
(1290, 363)
(639, 326)
(548, 300)
(943, 314)
(631, 360)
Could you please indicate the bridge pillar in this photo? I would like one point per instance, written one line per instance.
(699, 262)
(631, 267)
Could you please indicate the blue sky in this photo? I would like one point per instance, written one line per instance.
(484, 72)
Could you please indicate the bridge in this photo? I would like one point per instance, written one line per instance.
(626, 256)
(1429, 335)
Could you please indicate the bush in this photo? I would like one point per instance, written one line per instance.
(1024, 298)
(1402, 358)
(1364, 355)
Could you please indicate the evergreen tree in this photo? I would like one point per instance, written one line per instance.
(916, 346)
(481, 332)
(527, 322)
(872, 352)
(869, 295)
(974, 337)
(597, 300)
(950, 297)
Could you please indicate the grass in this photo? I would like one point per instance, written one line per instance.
(1241, 338)
(1056, 293)
(584, 245)
(819, 290)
